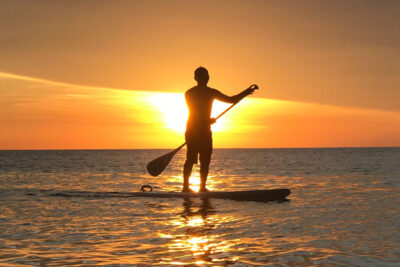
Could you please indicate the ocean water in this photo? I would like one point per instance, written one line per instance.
(344, 209)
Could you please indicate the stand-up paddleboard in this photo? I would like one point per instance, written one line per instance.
(250, 195)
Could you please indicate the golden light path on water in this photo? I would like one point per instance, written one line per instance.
(199, 224)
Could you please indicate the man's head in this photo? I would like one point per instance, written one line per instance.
(201, 76)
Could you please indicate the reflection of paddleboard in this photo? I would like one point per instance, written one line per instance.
(251, 195)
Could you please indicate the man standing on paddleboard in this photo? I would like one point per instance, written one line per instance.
(198, 134)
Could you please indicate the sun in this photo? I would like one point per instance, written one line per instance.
(174, 111)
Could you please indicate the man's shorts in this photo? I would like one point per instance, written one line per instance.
(199, 144)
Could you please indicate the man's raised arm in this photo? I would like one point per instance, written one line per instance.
(236, 98)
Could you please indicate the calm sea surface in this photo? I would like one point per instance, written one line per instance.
(344, 209)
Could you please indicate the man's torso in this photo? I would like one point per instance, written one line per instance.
(199, 101)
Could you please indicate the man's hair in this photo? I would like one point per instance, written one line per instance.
(201, 74)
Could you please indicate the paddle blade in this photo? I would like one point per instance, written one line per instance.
(157, 166)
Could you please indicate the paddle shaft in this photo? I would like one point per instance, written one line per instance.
(226, 110)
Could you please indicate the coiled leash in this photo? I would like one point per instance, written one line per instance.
(146, 188)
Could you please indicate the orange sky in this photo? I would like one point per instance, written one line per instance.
(41, 114)
(328, 72)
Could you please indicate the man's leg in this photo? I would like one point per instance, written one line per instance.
(191, 159)
(205, 159)
(204, 167)
(187, 170)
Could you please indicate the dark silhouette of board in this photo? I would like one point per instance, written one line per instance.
(249, 195)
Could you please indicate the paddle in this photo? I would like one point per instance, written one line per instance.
(158, 165)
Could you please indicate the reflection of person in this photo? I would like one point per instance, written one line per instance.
(196, 218)
(198, 135)
(205, 208)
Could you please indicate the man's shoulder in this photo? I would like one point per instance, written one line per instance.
(213, 92)
(189, 91)
(212, 89)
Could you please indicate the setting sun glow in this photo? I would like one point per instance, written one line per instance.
(174, 111)
(65, 116)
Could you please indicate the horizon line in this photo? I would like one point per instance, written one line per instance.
(218, 148)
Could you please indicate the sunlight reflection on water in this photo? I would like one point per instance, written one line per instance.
(198, 238)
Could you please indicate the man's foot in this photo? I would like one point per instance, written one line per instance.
(187, 190)
(204, 190)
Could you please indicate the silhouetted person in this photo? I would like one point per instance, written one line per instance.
(198, 135)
